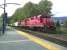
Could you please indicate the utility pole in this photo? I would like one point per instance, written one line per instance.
(4, 24)
(5, 15)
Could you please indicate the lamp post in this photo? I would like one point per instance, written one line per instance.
(5, 15)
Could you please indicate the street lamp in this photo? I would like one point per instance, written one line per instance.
(5, 15)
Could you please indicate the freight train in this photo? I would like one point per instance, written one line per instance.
(39, 22)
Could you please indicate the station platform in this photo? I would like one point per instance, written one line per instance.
(18, 40)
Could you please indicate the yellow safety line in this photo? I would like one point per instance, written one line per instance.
(39, 41)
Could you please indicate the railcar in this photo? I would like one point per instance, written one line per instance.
(40, 22)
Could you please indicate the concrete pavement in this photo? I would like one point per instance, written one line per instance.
(11, 40)
(17, 40)
(44, 43)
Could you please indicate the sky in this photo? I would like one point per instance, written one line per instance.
(59, 7)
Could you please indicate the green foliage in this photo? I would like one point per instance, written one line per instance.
(1, 21)
(58, 27)
(64, 27)
(65, 23)
(31, 9)
(58, 24)
(45, 6)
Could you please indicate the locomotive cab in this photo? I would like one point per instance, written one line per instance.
(47, 22)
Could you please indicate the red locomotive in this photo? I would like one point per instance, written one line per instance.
(40, 22)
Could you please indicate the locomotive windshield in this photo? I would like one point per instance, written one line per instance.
(45, 16)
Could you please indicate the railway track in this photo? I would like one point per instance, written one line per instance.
(47, 36)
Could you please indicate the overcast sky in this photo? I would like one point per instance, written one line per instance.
(59, 7)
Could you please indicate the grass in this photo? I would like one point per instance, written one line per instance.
(64, 30)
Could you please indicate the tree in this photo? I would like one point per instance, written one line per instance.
(28, 10)
(65, 23)
(31, 9)
(58, 27)
(58, 23)
(1, 21)
(45, 6)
